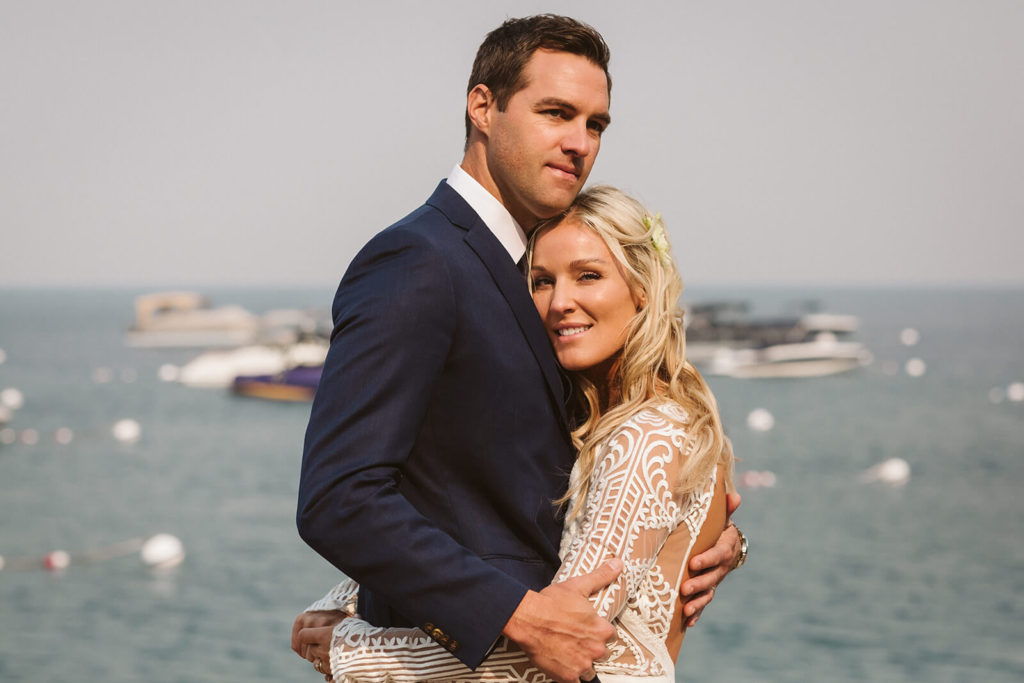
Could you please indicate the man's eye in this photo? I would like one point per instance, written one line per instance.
(596, 127)
(556, 113)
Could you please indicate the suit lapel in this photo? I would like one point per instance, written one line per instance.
(509, 281)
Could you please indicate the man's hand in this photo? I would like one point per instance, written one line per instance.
(709, 568)
(558, 628)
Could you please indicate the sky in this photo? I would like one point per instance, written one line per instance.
(261, 143)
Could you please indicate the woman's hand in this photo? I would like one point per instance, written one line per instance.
(311, 638)
(709, 568)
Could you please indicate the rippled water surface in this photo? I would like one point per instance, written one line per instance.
(846, 581)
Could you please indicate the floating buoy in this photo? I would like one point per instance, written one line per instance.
(162, 551)
(29, 437)
(760, 420)
(915, 367)
(126, 431)
(894, 472)
(102, 375)
(754, 479)
(909, 336)
(168, 373)
(12, 398)
(8, 436)
(1015, 392)
(63, 436)
(56, 561)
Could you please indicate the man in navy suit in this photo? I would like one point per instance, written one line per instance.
(438, 437)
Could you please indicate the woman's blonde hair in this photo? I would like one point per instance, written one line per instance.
(653, 366)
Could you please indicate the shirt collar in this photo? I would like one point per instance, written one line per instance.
(491, 211)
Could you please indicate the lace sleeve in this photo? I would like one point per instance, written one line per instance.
(361, 653)
(342, 597)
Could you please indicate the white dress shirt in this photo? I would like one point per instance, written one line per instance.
(494, 214)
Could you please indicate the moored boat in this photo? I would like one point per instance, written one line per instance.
(295, 385)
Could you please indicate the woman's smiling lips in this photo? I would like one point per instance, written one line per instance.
(567, 332)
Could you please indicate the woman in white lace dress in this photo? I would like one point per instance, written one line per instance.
(653, 467)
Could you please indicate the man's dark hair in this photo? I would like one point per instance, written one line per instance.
(503, 55)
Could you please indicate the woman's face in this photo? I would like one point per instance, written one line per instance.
(582, 297)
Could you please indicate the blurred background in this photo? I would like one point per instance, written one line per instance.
(841, 185)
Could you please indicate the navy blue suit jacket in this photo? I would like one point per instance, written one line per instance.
(438, 436)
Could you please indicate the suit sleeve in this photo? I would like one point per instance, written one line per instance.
(394, 317)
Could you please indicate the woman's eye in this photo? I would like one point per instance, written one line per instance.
(539, 282)
(590, 276)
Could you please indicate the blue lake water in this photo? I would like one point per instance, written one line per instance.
(846, 581)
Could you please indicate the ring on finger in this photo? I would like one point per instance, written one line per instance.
(316, 665)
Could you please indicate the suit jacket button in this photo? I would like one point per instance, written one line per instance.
(437, 633)
(453, 646)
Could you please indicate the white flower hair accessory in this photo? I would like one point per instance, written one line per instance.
(659, 240)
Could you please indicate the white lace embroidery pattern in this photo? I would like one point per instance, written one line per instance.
(631, 510)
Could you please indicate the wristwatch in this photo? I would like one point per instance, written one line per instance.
(743, 549)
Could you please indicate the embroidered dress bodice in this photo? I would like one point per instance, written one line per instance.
(633, 510)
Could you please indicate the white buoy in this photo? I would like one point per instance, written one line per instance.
(909, 336)
(756, 479)
(126, 431)
(894, 472)
(29, 437)
(12, 398)
(8, 436)
(760, 420)
(168, 373)
(915, 367)
(162, 551)
(102, 375)
(56, 561)
(63, 436)
(1015, 392)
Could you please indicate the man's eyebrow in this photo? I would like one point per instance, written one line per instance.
(603, 117)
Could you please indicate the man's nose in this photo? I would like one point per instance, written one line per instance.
(578, 140)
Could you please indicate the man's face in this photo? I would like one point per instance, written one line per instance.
(541, 148)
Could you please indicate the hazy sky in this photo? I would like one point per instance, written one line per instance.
(190, 143)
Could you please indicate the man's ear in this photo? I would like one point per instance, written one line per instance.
(479, 106)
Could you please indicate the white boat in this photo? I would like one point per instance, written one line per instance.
(822, 356)
(185, 319)
(218, 369)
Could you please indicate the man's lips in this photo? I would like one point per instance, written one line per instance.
(567, 170)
